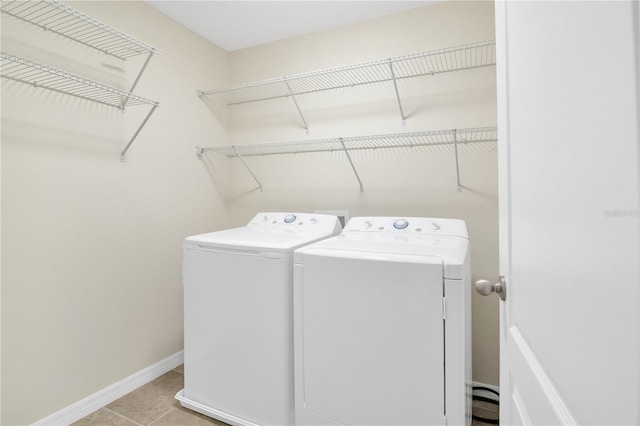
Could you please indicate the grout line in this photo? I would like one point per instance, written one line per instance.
(161, 416)
(121, 416)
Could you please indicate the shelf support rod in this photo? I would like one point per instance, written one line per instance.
(135, 135)
(304, 122)
(352, 166)
(455, 147)
(247, 167)
(395, 86)
(135, 83)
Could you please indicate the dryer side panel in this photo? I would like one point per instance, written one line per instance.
(369, 340)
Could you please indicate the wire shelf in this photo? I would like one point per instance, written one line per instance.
(58, 18)
(396, 140)
(42, 76)
(457, 58)
(346, 144)
(39, 75)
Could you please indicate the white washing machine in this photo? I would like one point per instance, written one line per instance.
(238, 317)
(382, 324)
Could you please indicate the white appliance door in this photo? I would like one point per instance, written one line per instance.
(239, 334)
(568, 99)
(369, 340)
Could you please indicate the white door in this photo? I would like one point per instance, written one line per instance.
(568, 78)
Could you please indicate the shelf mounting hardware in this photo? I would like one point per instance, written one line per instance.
(247, 167)
(395, 86)
(351, 162)
(455, 148)
(135, 135)
(293, 97)
(135, 82)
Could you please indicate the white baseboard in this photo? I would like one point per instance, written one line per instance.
(484, 393)
(88, 405)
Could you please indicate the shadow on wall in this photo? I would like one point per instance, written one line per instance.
(61, 140)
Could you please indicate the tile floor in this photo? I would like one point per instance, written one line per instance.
(154, 404)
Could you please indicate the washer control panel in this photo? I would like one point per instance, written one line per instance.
(412, 225)
(400, 224)
(297, 222)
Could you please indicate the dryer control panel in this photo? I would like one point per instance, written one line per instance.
(412, 225)
(298, 222)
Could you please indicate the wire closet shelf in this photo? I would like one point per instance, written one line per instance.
(345, 144)
(457, 58)
(39, 75)
(451, 59)
(42, 76)
(58, 18)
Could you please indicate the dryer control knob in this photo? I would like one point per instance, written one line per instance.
(289, 218)
(400, 224)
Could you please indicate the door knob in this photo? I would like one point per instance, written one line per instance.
(486, 287)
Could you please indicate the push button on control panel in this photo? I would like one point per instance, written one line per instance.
(289, 218)
(400, 224)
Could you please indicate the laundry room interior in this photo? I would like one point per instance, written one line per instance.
(92, 237)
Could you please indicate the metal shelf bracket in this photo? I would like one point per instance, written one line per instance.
(395, 86)
(293, 97)
(346, 151)
(247, 167)
(135, 82)
(455, 149)
(135, 135)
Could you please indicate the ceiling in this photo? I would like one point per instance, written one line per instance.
(234, 25)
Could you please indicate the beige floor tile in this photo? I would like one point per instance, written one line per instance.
(180, 416)
(103, 417)
(179, 369)
(151, 401)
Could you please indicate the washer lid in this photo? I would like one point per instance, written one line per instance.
(451, 252)
(280, 232)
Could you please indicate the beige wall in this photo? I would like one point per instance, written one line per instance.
(91, 278)
(91, 247)
(418, 182)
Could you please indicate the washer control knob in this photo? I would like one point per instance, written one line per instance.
(400, 224)
(289, 218)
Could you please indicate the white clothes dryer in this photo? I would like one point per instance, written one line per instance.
(382, 324)
(238, 317)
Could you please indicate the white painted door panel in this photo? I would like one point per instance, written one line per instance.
(568, 126)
